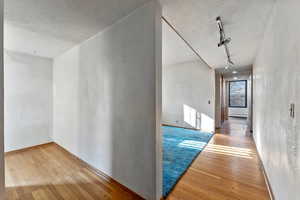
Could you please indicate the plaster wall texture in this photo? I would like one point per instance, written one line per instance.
(28, 100)
(107, 103)
(187, 90)
(276, 85)
(2, 176)
(26, 41)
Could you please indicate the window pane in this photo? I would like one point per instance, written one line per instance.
(238, 94)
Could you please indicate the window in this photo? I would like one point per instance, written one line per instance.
(238, 94)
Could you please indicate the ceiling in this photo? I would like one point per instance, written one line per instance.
(174, 49)
(30, 25)
(244, 21)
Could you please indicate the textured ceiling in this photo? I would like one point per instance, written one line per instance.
(174, 49)
(63, 22)
(244, 22)
(50, 27)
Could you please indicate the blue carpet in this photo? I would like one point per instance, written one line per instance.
(180, 147)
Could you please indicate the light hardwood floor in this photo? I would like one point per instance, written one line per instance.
(228, 169)
(48, 172)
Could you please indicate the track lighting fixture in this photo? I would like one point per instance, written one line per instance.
(223, 40)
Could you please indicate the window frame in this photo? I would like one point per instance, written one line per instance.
(246, 94)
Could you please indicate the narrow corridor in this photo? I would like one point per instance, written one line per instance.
(228, 168)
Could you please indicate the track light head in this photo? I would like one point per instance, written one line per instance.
(224, 40)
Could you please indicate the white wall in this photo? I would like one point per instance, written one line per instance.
(276, 85)
(28, 100)
(106, 101)
(34, 43)
(187, 89)
(2, 182)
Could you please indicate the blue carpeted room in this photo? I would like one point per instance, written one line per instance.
(180, 147)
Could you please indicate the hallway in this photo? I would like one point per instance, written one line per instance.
(126, 99)
(228, 168)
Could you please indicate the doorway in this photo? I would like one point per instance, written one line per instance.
(234, 98)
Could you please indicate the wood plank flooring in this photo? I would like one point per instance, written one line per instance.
(48, 172)
(228, 169)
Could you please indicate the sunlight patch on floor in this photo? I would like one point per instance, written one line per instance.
(230, 151)
(191, 144)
